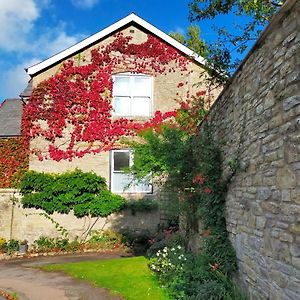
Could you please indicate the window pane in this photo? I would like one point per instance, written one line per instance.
(120, 182)
(121, 106)
(140, 106)
(121, 160)
(121, 86)
(143, 186)
(142, 86)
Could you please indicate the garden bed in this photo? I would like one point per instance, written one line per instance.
(104, 241)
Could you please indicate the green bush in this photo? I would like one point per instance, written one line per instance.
(104, 239)
(44, 244)
(84, 193)
(12, 246)
(137, 241)
(192, 277)
(142, 205)
(3, 244)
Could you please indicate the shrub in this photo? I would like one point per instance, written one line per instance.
(84, 193)
(12, 246)
(169, 265)
(143, 205)
(43, 244)
(46, 244)
(2, 244)
(104, 239)
(168, 237)
(138, 241)
(192, 277)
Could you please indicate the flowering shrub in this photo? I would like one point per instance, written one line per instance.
(169, 265)
(192, 277)
(168, 261)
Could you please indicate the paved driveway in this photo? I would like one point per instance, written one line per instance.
(29, 283)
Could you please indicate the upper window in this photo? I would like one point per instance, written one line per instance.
(132, 95)
(122, 182)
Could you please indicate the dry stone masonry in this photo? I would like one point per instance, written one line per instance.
(258, 123)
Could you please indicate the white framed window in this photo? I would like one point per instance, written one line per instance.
(132, 95)
(122, 182)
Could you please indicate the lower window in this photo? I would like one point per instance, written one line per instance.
(122, 182)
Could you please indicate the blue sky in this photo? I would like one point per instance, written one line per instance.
(32, 30)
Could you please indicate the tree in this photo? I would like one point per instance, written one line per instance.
(192, 40)
(258, 12)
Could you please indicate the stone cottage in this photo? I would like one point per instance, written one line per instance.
(136, 94)
(83, 100)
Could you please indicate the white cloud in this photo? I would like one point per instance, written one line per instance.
(84, 4)
(53, 41)
(20, 37)
(15, 80)
(16, 21)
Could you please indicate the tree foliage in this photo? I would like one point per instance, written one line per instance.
(191, 162)
(83, 193)
(192, 40)
(257, 12)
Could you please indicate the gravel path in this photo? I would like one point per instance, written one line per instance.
(29, 283)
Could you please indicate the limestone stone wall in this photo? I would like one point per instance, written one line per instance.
(30, 224)
(260, 110)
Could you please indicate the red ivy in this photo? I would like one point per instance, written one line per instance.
(13, 160)
(72, 109)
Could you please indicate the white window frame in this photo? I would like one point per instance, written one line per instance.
(132, 188)
(131, 96)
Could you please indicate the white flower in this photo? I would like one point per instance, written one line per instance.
(165, 249)
(173, 249)
(179, 247)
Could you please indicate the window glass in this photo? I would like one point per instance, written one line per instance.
(121, 160)
(140, 106)
(122, 106)
(121, 86)
(132, 95)
(120, 182)
(142, 86)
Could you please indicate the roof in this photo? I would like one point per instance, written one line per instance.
(132, 18)
(10, 117)
(27, 91)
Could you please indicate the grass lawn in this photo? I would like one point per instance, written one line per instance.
(129, 277)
